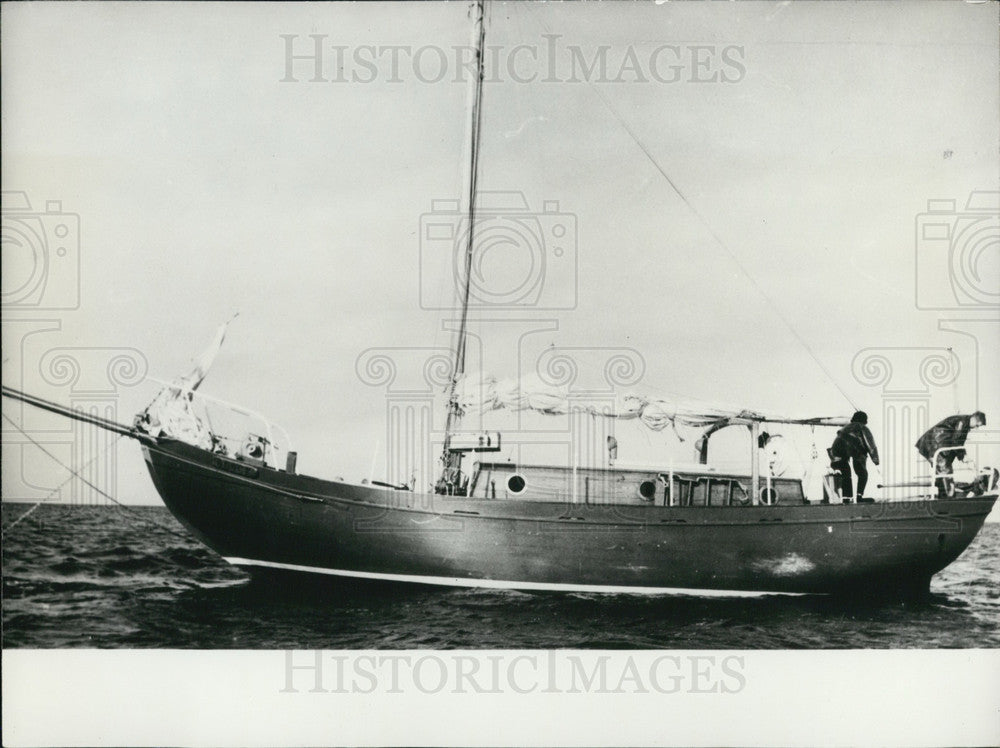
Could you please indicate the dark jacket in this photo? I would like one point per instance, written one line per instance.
(854, 440)
(951, 432)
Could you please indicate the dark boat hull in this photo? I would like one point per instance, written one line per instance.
(267, 519)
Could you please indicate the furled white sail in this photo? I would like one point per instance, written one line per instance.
(483, 393)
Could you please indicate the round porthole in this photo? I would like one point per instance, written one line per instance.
(647, 490)
(515, 484)
(768, 496)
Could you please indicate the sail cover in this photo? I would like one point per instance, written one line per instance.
(172, 414)
(481, 393)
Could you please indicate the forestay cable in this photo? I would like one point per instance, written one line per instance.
(55, 490)
(99, 490)
(714, 235)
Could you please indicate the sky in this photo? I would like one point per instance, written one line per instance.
(731, 206)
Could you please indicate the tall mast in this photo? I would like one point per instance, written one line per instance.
(452, 461)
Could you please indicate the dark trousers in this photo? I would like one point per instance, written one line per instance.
(844, 468)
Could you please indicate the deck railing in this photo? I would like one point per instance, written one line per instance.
(235, 429)
(987, 475)
(926, 486)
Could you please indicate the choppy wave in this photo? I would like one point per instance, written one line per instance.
(111, 577)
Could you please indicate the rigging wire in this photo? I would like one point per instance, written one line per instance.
(23, 516)
(99, 490)
(714, 235)
(55, 490)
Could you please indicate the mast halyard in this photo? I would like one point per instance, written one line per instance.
(451, 477)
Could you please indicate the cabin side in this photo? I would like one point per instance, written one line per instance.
(632, 486)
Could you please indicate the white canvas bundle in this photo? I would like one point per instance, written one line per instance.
(481, 393)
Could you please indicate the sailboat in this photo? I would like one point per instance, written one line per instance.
(490, 523)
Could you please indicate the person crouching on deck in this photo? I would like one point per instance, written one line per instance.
(853, 445)
(949, 433)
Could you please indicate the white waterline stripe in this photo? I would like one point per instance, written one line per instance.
(498, 584)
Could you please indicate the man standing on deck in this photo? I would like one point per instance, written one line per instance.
(853, 445)
(948, 434)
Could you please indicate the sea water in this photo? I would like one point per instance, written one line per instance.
(108, 576)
